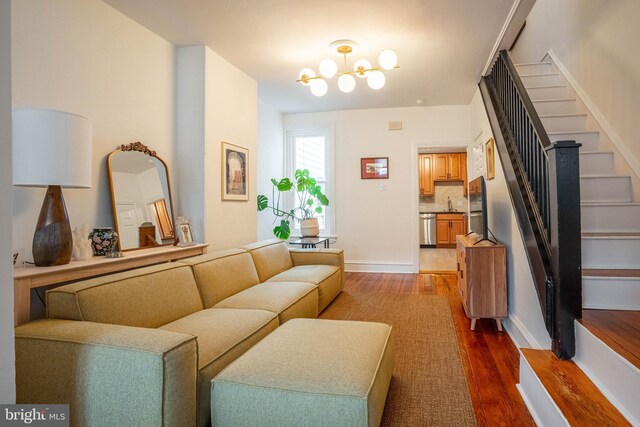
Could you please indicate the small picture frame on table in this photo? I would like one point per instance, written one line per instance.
(374, 168)
(185, 233)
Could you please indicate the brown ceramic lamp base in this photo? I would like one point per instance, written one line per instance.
(52, 241)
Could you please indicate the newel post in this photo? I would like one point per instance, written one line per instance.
(566, 244)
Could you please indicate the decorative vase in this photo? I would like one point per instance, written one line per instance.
(103, 240)
(309, 227)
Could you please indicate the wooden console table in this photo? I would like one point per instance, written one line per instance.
(25, 279)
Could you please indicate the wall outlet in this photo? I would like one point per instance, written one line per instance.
(382, 187)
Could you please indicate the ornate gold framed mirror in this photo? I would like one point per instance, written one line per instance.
(140, 198)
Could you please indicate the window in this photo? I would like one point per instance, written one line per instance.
(313, 149)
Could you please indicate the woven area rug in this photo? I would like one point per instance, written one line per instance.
(428, 387)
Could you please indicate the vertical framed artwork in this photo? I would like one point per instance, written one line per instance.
(185, 233)
(235, 172)
(374, 168)
(489, 153)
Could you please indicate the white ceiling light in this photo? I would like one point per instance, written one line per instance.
(376, 80)
(388, 59)
(328, 68)
(319, 87)
(362, 68)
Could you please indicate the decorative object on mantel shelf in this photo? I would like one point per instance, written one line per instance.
(310, 199)
(82, 248)
(362, 68)
(51, 149)
(103, 241)
(185, 233)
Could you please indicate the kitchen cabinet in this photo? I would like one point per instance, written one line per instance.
(482, 279)
(448, 226)
(450, 167)
(425, 174)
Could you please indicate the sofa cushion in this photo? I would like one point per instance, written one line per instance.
(223, 334)
(145, 297)
(270, 257)
(220, 275)
(289, 300)
(309, 372)
(327, 277)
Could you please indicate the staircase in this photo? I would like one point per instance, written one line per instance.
(607, 341)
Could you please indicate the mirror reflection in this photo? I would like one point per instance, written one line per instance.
(141, 198)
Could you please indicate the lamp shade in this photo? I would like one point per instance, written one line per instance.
(51, 148)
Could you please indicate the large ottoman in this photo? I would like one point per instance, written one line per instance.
(308, 372)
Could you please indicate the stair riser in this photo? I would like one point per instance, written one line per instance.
(596, 164)
(541, 406)
(542, 80)
(564, 123)
(610, 219)
(590, 141)
(610, 253)
(611, 293)
(614, 189)
(549, 92)
(555, 107)
(535, 68)
(616, 378)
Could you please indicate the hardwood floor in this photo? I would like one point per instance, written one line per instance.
(489, 357)
(619, 329)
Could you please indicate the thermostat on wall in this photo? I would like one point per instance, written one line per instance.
(394, 126)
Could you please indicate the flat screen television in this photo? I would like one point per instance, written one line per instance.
(478, 208)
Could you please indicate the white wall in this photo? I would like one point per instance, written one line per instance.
(7, 354)
(378, 230)
(87, 58)
(216, 102)
(270, 165)
(597, 41)
(525, 323)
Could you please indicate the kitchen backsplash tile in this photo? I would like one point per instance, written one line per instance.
(438, 202)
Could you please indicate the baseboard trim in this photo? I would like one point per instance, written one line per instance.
(633, 162)
(364, 266)
(519, 334)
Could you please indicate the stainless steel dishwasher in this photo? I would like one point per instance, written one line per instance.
(427, 229)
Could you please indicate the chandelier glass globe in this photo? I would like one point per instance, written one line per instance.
(366, 65)
(328, 68)
(306, 72)
(376, 80)
(346, 83)
(318, 87)
(387, 59)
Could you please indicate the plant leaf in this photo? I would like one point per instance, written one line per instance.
(285, 184)
(319, 210)
(262, 202)
(310, 202)
(283, 230)
(324, 201)
(274, 182)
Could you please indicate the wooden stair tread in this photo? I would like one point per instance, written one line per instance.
(580, 401)
(618, 329)
(609, 272)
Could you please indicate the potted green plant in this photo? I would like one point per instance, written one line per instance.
(309, 200)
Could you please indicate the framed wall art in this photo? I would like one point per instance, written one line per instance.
(185, 233)
(489, 153)
(235, 172)
(374, 168)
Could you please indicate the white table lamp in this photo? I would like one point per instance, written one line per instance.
(51, 149)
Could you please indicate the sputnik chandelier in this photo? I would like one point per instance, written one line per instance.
(362, 68)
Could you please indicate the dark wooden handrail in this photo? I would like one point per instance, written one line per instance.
(544, 184)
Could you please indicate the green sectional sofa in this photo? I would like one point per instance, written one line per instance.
(141, 347)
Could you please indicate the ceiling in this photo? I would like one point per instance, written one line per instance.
(442, 45)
